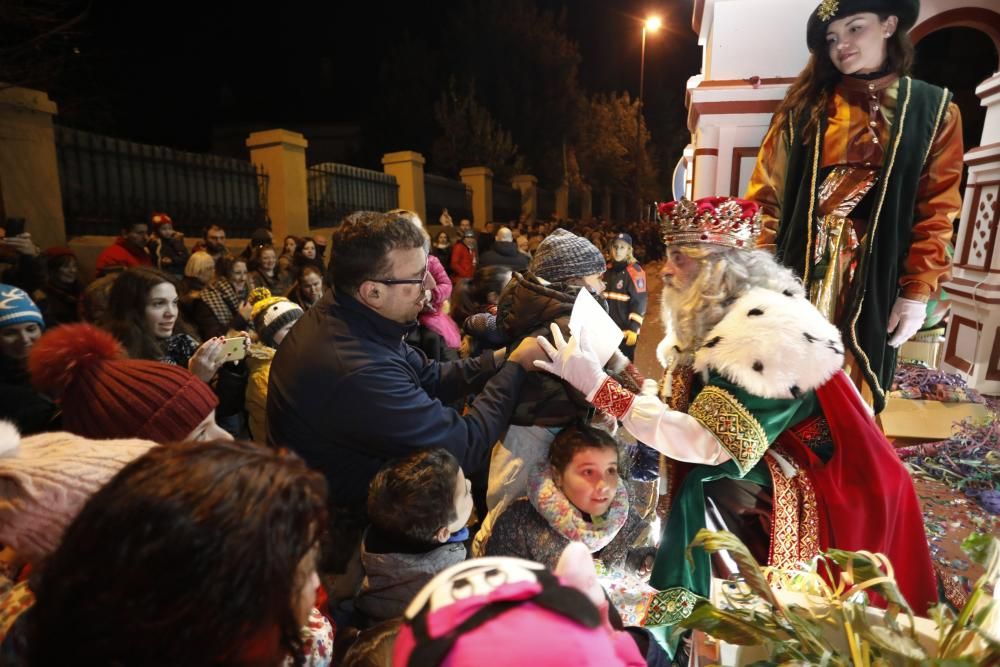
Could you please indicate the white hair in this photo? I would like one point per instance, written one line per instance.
(504, 234)
(725, 274)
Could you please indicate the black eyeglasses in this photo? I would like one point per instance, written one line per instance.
(403, 281)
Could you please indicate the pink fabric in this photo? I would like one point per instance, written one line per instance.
(45, 480)
(437, 321)
(441, 291)
(525, 635)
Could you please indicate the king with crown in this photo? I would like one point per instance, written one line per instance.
(761, 431)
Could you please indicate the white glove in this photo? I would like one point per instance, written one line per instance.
(573, 361)
(906, 318)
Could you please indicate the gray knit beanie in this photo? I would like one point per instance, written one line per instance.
(563, 255)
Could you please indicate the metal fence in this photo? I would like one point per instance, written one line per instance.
(108, 183)
(546, 203)
(441, 192)
(506, 203)
(338, 189)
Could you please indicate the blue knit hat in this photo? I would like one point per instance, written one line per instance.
(16, 307)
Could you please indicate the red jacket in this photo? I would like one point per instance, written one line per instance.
(120, 254)
(463, 261)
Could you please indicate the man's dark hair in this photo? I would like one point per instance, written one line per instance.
(189, 555)
(210, 228)
(129, 226)
(362, 243)
(410, 499)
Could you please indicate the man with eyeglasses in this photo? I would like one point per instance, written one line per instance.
(348, 394)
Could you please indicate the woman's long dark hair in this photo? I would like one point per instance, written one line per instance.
(126, 316)
(188, 556)
(809, 95)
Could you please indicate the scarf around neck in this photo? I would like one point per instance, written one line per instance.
(564, 517)
(222, 298)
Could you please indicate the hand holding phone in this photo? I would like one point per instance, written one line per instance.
(235, 348)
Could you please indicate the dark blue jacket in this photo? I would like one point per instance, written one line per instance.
(505, 253)
(348, 394)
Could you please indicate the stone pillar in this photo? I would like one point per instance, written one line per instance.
(586, 204)
(282, 154)
(606, 204)
(528, 185)
(408, 168)
(562, 201)
(480, 179)
(706, 161)
(29, 169)
(972, 340)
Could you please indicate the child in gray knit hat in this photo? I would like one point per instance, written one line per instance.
(563, 264)
(562, 256)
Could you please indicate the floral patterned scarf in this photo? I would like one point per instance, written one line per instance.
(549, 501)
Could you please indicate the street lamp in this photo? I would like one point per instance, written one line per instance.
(651, 24)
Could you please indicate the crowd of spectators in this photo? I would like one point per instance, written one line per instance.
(196, 439)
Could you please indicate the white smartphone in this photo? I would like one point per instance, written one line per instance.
(235, 348)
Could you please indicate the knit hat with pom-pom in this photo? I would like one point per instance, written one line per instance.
(45, 480)
(104, 395)
(271, 313)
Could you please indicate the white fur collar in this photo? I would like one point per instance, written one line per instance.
(773, 345)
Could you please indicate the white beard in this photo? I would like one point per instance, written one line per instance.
(680, 342)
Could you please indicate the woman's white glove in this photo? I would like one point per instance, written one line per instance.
(906, 318)
(573, 361)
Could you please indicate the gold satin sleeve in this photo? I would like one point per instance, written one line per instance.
(767, 183)
(928, 263)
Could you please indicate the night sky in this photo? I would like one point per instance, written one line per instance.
(166, 72)
(169, 73)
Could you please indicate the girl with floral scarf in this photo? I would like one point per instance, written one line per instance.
(577, 495)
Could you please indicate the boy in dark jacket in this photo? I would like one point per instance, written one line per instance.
(418, 507)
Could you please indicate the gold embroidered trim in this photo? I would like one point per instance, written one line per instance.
(871, 242)
(670, 607)
(812, 205)
(794, 518)
(732, 425)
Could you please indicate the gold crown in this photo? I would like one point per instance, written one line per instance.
(827, 9)
(725, 221)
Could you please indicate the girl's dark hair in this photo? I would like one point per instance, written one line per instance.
(188, 556)
(300, 244)
(573, 439)
(225, 263)
(126, 314)
(809, 95)
(472, 294)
